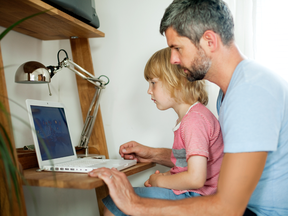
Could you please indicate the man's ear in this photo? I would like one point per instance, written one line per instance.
(209, 40)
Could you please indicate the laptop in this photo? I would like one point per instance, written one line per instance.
(53, 144)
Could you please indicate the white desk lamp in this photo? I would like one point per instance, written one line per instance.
(34, 73)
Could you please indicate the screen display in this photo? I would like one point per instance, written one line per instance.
(52, 132)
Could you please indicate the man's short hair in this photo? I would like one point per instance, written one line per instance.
(191, 18)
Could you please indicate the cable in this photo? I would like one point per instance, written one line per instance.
(58, 55)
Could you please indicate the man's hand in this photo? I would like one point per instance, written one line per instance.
(120, 188)
(135, 151)
(239, 175)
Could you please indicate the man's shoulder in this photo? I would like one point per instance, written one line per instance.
(250, 72)
(250, 78)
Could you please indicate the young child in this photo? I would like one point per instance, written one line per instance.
(197, 150)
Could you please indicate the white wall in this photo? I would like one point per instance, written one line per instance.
(132, 36)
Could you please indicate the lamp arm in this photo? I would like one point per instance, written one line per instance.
(94, 106)
(90, 78)
(90, 119)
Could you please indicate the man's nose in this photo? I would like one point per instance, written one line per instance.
(174, 59)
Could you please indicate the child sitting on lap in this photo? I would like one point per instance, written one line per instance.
(197, 150)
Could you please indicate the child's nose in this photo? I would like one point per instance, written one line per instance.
(149, 91)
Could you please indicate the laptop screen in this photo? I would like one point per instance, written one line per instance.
(52, 129)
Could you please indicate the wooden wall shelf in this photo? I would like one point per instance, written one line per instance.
(56, 25)
(52, 25)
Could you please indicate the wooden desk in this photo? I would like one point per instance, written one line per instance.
(77, 180)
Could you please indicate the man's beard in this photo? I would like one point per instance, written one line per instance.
(199, 66)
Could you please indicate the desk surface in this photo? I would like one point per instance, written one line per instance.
(73, 180)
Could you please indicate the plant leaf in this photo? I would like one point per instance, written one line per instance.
(6, 149)
(18, 22)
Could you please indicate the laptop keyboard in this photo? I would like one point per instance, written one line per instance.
(83, 163)
(86, 165)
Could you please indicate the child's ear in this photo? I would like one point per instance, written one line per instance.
(209, 40)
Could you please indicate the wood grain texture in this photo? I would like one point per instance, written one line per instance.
(77, 180)
(27, 158)
(101, 192)
(52, 25)
(82, 56)
(73, 180)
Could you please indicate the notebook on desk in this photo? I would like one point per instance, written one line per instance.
(53, 144)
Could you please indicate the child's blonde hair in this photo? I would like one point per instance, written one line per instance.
(174, 79)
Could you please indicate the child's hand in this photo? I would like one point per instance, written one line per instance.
(154, 178)
(147, 183)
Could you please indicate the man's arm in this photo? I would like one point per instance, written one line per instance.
(193, 178)
(239, 175)
(135, 151)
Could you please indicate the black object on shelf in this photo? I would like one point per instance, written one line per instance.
(83, 10)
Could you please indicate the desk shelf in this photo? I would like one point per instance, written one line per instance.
(52, 25)
(74, 180)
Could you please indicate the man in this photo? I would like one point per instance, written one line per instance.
(253, 114)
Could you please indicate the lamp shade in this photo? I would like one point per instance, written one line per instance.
(32, 72)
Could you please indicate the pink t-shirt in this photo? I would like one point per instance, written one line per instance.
(198, 133)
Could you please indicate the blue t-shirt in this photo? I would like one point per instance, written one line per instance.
(254, 117)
